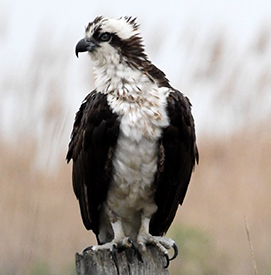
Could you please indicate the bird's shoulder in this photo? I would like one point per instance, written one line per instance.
(93, 122)
(180, 116)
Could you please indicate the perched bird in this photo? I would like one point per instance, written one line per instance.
(133, 143)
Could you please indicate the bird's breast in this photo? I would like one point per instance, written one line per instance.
(135, 159)
(142, 110)
(134, 166)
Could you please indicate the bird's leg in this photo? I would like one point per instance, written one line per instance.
(162, 243)
(119, 242)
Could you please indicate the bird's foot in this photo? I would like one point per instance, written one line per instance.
(115, 245)
(162, 243)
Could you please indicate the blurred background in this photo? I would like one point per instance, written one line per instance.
(217, 52)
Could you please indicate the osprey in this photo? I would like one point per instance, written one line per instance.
(133, 143)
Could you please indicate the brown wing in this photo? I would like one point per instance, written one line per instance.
(91, 148)
(177, 155)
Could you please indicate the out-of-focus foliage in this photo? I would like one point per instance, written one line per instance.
(197, 253)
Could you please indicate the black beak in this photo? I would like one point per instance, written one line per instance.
(86, 45)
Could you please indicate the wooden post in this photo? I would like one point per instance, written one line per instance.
(102, 263)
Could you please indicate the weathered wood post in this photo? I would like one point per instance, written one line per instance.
(102, 263)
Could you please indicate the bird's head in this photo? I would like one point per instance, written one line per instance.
(111, 40)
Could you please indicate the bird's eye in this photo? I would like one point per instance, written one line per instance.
(105, 36)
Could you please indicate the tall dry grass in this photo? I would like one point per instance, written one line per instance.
(40, 219)
(233, 180)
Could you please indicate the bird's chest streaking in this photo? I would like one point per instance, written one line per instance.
(142, 113)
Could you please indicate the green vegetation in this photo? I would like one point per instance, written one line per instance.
(197, 252)
(40, 268)
(43, 268)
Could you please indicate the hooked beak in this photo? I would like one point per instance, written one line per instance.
(86, 45)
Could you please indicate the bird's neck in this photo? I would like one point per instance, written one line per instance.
(120, 79)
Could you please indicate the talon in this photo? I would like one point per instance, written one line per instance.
(137, 252)
(167, 260)
(175, 247)
(114, 257)
(114, 249)
(132, 244)
(130, 241)
(87, 249)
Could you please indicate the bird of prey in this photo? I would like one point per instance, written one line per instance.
(133, 143)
